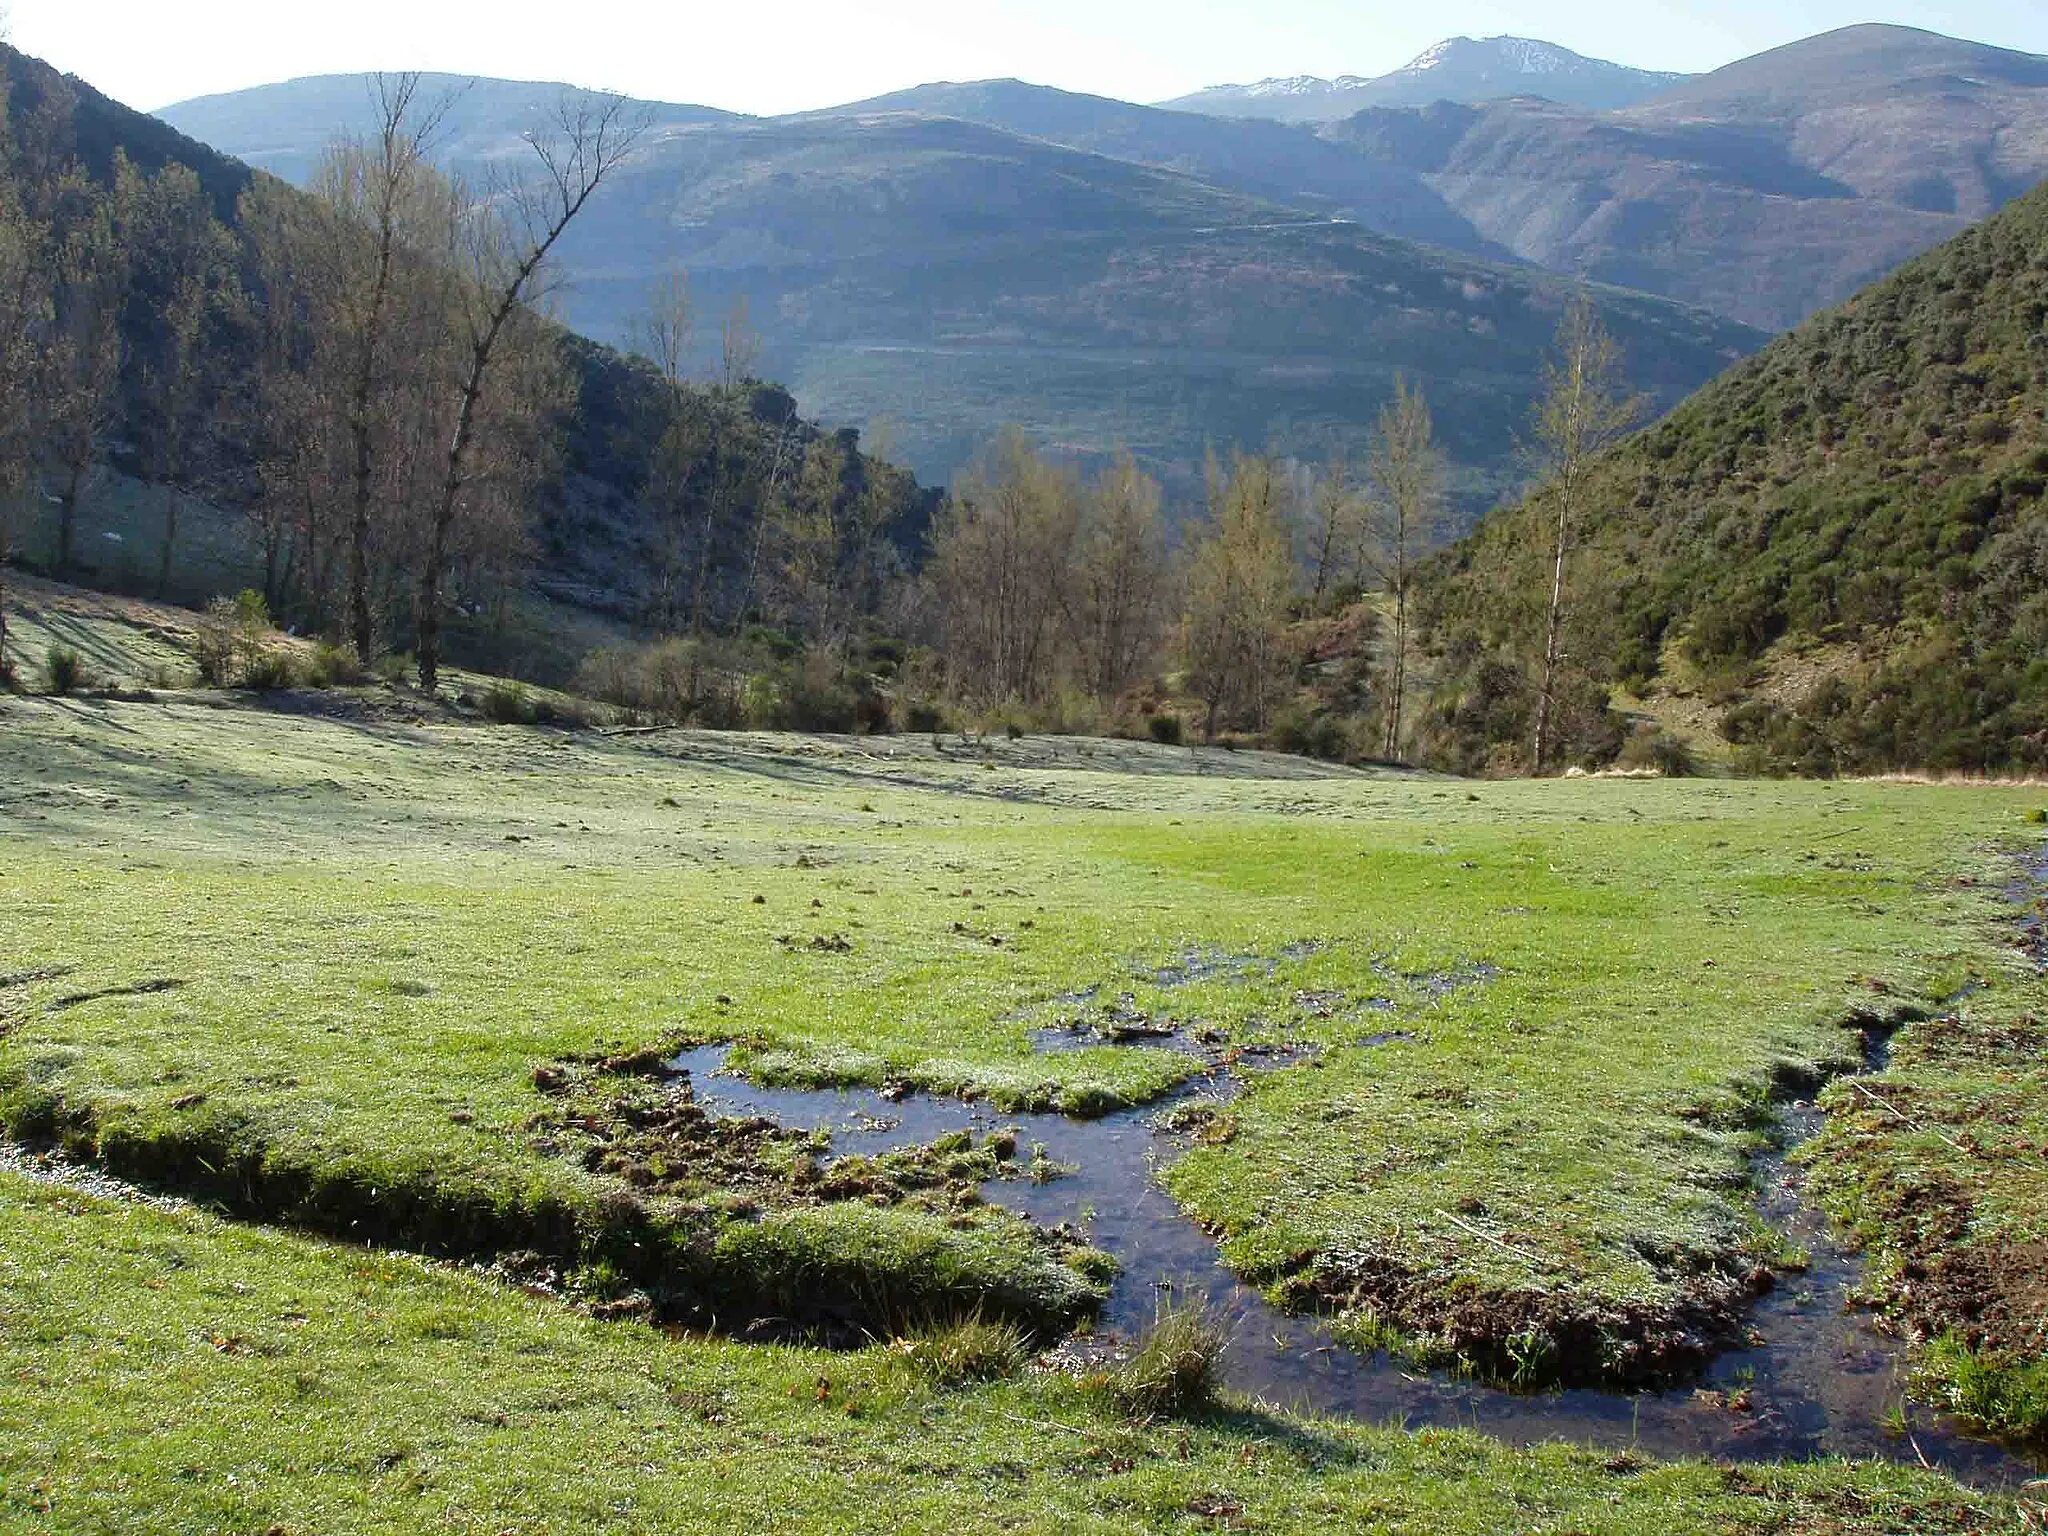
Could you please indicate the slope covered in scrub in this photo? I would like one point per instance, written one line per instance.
(1842, 543)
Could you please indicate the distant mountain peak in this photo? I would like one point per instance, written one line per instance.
(1462, 69)
(1523, 55)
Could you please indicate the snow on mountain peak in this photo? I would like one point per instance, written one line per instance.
(1524, 55)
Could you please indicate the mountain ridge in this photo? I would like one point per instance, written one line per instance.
(1460, 69)
(1765, 191)
(956, 277)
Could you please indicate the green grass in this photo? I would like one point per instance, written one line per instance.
(390, 978)
(376, 931)
(170, 1371)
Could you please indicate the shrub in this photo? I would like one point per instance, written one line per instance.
(1651, 747)
(923, 718)
(1167, 730)
(971, 1348)
(230, 644)
(216, 639)
(674, 682)
(506, 703)
(812, 695)
(268, 667)
(1178, 1365)
(1312, 735)
(252, 612)
(64, 670)
(332, 666)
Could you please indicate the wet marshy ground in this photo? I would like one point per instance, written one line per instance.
(1822, 1381)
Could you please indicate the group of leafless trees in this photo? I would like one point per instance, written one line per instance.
(1047, 583)
(412, 389)
(107, 289)
(363, 370)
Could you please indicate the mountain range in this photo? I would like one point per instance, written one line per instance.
(959, 256)
(953, 276)
(1763, 191)
(1458, 69)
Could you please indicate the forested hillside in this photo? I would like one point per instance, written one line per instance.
(1841, 547)
(215, 380)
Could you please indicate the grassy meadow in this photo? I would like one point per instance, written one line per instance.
(354, 967)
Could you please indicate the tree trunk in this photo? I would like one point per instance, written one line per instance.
(163, 566)
(360, 617)
(444, 514)
(1544, 716)
(67, 516)
(1392, 749)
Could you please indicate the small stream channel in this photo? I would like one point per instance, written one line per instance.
(1822, 1383)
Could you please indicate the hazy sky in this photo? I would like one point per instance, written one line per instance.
(785, 55)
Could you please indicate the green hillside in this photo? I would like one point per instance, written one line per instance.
(1841, 546)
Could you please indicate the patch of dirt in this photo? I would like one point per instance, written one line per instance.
(1536, 1334)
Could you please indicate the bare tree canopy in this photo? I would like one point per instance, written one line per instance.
(1405, 511)
(506, 242)
(1585, 408)
(1240, 581)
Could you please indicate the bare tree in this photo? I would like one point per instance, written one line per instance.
(379, 186)
(664, 331)
(784, 457)
(802, 538)
(1000, 563)
(86, 350)
(1585, 407)
(1334, 528)
(739, 345)
(1240, 580)
(1122, 579)
(24, 315)
(1407, 473)
(506, 253)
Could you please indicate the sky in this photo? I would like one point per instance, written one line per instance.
(790, 55)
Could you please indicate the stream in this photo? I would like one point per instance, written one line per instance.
(1821, 1384)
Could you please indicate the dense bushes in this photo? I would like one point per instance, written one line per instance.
(1876, 482)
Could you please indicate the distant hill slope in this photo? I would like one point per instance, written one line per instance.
(1763, 191)
(1842, 546)
(951, 277)
(285, 128)
(98, 126)
(1458, 69)
(1263, 159)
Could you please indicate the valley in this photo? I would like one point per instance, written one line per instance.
(1324, 807)
(967, 228)
(422, 935)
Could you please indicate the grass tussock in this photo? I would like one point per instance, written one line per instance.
(951, 1352)
(2004, 1397)
(1177, 1368)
